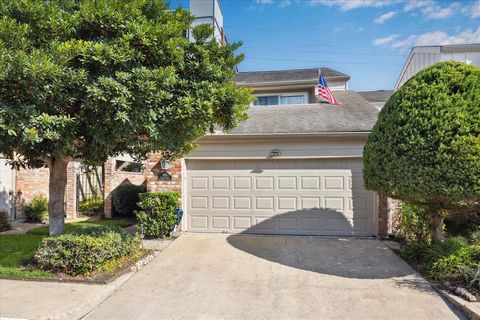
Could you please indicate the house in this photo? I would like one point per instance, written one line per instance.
(377, 98)
(423, 56)
(294, 167)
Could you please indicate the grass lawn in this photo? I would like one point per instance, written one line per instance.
(16, 250)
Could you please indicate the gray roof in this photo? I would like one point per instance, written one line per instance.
(355, 114)
(304, 75)
(376, 96)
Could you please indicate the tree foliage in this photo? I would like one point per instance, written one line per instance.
(90, 79)
(425, 146)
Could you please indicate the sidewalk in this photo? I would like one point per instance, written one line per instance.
(50, 300)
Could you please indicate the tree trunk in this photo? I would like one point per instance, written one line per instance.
(436, 226)
(56, 190)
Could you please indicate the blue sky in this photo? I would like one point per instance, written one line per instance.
(366, 39)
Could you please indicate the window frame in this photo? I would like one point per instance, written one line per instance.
(279, 95)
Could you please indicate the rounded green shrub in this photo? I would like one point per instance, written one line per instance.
(125, 198)
(425, 146)
(157, 216)
(37, 209)
(86, 250)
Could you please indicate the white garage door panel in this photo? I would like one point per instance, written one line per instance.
(316, 197)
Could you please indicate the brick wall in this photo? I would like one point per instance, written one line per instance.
(154, 169)
(113, 179)
(31, 182)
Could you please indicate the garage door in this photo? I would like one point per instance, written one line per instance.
(312, 197)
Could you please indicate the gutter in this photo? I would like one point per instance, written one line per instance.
(276, 136)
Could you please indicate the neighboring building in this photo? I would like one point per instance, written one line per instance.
(377, 98)
(422, 57)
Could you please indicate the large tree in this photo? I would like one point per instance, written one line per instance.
(90, 79)
(425, 146)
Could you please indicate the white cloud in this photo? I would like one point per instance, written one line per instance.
(281, 4)
(475, 10)
(438, 38)
(346, 5)
(384, 17)
(417, 4)
(360, 29)
(384, 41)
(437, 12)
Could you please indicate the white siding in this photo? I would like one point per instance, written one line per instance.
(289, 148)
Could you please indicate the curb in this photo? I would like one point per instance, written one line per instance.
(468, 308)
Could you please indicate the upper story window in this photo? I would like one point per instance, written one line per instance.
(280, 99)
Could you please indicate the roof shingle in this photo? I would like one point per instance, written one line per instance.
(355, 114)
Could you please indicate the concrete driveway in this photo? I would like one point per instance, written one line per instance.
(275, 277)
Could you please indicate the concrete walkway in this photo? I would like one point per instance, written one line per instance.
(49, 300)
(275, 277)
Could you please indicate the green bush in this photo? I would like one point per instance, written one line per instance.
(125, 198)
(86, 250)
(424, 147)
(415, 225)
(443, 260)
(92, 206)
(5, 221)
(157, 216)
(37, 209)
(462, 223)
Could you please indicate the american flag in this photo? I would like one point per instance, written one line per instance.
(324, 92)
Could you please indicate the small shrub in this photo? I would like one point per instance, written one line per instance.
(86, 250)
(416, 251)
(415, 225)
(157, 216)
(37, 209)
(462, 223)
(5, 221)
(125, 198)
(92, 206)
(443, 260)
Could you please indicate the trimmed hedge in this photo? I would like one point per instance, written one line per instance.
(157, 216)
(425, 146)
(85, 250)
(37, 209)
(125, 198)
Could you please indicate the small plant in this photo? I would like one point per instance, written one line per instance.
(86, 250)
(443, 260)
(5, 221)
(157, 216)
(475, 237)
(92, 206)
(414, 225)
(37, 209)
(471, 276)
(125, 198)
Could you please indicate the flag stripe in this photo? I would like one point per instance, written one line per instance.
(324, 92)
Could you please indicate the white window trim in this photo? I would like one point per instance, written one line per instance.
(283, 94)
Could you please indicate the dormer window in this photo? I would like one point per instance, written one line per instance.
(280, 99)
